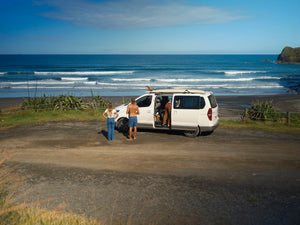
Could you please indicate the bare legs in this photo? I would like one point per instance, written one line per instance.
(130, 133)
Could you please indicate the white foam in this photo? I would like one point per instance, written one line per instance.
(84, 73)
(236, 72)
(218, 79)
(133, 79)
(75, 78)
(90, 82)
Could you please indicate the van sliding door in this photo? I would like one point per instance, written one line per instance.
(186, 111)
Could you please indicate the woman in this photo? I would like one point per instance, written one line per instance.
(111, 116)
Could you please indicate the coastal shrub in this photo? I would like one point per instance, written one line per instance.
(97, 102)
(63, 103)
(295, 118)
(262, 110)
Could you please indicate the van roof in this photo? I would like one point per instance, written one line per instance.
(175, 91)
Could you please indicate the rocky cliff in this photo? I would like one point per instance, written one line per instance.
(289, 55)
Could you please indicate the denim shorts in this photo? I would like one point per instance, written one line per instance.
(132, 121)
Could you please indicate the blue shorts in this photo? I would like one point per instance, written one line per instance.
(132, 121)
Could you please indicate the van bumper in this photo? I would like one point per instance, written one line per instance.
(202, 128)
(209, 129)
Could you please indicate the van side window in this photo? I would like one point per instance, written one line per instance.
(213, 101)
(189, 102)
(144, 101)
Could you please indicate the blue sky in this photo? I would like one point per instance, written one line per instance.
(148, 26)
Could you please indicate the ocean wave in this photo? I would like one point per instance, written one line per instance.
(142, 87)
(132, 79)
(83, 72)
(180, 80)
(38, 82)
(74, 78)
(20, 72)
(236, 72)
(218, 79)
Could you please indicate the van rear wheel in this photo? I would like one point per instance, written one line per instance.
(192, 133)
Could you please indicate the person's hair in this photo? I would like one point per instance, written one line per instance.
(110, 107)
(132, 101)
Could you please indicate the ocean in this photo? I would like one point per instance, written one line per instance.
(128, 75)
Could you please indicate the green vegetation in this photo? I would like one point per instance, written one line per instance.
(262, 116)
(27, 117)
(63, 103)
(261, 111)
(61, 108)
(293, 127)
(289, 55)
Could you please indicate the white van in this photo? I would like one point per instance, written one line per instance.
(193, 111)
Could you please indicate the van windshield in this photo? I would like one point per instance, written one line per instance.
(144, 101)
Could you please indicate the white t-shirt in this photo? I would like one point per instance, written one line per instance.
(110, 115)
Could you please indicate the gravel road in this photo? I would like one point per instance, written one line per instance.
(229, 177)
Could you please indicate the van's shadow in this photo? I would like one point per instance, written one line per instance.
(168, 132)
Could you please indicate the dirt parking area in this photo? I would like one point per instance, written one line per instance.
(228, 177)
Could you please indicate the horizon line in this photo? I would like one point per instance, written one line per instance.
(139, 53)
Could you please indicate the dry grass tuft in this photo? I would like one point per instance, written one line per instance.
(29, 213)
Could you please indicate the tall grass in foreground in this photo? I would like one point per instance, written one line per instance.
(29, 214)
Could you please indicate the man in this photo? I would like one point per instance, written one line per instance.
(132, 111)
(167, 115)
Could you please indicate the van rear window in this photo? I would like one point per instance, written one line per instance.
(213, 101)
(189, 102)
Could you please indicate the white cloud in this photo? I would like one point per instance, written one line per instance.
(135, 14)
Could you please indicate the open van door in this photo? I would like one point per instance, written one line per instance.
(146, 107)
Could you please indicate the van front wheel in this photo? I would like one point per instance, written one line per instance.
(192, 133)
(122, 125)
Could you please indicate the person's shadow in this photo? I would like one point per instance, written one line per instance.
(104, 133)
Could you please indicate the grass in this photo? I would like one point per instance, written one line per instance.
(23, 215)
(11, 119)
(273, 126)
